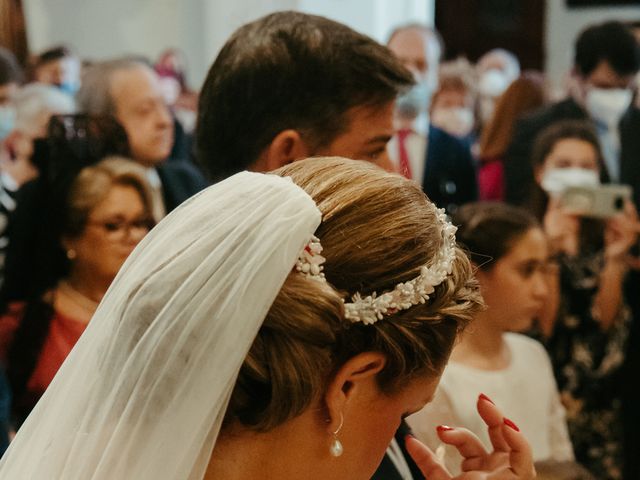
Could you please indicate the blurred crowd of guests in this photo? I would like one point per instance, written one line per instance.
(567, 280)
(92, 155)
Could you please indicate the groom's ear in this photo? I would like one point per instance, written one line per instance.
(354, 380)
(286, 147)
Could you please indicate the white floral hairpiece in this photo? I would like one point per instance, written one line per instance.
(310, 261)
(374, 307)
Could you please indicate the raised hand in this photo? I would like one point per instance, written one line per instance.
(511, 458)
(561, 228)
(621, 233)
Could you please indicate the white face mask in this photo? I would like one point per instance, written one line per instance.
(493, 83)
(556, 180)
(455, 121)
(608, 104)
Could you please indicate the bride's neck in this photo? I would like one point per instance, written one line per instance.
(286, 451)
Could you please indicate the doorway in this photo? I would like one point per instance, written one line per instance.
(473, 27)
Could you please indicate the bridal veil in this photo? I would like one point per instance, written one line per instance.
(143, 394)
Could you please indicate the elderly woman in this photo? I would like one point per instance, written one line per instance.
(98, 223)
(244, 339)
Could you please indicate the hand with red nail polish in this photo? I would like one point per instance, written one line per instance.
(510, 424)
(511, 458)
(482, 396)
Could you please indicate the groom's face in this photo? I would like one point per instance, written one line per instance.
(369, 129)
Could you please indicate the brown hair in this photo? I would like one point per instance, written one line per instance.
(289, 70)
(546, 140)
(488, 230)
(92, 185)
(524, 95)
(378, 229)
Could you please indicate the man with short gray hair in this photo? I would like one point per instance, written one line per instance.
(129, 91)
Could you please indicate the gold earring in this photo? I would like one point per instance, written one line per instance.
(71, 254)
(336, 448)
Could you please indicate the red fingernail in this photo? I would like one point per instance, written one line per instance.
(443, 428)
(510, 424)
(484, 397)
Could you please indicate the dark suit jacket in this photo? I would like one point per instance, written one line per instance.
(518, 169)
(180, 180)
(387, 470)
(450, 175)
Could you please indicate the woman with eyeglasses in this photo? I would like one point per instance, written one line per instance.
(94, 223)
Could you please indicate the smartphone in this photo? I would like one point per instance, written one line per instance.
(601, 201)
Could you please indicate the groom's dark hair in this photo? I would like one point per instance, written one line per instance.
(288, 70)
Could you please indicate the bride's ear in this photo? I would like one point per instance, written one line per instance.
(355, 378)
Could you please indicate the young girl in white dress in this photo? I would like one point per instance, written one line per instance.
(509, 250)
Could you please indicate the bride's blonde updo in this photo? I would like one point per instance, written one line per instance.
(377, 230)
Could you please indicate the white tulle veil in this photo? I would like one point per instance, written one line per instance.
(143, 394)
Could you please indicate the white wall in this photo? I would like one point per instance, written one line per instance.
(100, 29)
(376, 18)
(563, 26)
(220, 18)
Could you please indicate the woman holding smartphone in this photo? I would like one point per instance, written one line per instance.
(586, 321)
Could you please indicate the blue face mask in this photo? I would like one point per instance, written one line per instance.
(7, 121)
(70, 88)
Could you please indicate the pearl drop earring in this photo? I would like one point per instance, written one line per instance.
(336, 448)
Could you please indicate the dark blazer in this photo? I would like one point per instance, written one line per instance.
(180, 180)
(450, 178)
(387, 470)
(519, 171)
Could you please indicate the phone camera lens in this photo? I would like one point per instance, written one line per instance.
(618, 203)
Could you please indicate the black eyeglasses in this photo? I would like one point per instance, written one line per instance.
(120, 229)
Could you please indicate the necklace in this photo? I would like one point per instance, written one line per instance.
(80, 299)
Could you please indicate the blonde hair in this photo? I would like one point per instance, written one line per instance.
(377, 230)
(92, 185)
